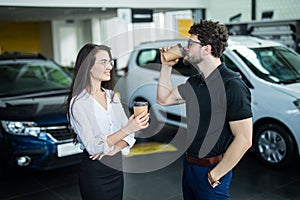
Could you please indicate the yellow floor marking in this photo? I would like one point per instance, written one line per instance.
(150, 148)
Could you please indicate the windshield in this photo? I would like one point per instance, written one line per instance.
(30, 77)
(274, 64)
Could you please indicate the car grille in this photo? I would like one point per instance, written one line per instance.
(59, 133)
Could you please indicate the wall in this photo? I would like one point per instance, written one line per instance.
(122, 35)
(45, 39)
(222, 10)
(19, 36)
(287, 9)
(26, 36)
(68, 38)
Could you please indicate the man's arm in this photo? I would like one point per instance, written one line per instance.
(166, 94)
(242, 131)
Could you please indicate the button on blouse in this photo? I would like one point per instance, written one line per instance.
(93, 123)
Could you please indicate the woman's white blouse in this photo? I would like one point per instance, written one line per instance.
(92, 123)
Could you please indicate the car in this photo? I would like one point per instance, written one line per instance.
(271, 71)
(34, 132)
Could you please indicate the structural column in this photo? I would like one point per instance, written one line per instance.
(96, 30)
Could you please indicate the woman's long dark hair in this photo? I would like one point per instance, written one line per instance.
(81, 78)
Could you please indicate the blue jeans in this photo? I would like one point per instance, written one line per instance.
(195, 185)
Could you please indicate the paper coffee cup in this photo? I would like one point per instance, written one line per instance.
(139, 107)
(174, 52)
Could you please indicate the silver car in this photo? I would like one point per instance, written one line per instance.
(271, 71)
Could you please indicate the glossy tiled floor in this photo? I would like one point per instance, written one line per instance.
(251, 181)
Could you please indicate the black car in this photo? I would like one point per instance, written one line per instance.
(33, 125)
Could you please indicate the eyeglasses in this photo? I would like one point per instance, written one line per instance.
(107, 63)
(190, 42)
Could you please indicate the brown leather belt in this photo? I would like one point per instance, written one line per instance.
(206, 162)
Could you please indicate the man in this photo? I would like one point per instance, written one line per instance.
(219, 117)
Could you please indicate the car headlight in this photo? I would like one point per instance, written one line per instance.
(21, 128)
(297, 103)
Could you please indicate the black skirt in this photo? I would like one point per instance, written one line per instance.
(101, 180)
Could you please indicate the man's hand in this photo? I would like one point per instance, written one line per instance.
(163, 60)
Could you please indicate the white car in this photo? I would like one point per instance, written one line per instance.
(270, 69)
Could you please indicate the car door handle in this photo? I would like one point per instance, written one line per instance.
(156, 79)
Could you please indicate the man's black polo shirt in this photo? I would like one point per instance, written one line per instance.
(210, 105)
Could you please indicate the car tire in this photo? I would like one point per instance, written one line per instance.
(274, 145)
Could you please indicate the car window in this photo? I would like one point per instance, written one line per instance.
(274, 64)
(29, 77)
(150, 59)
(231, 65)
(148, 56)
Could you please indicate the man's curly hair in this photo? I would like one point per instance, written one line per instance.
(212, 33)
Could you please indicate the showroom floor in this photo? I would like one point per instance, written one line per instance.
(158, 179)
(251, 181)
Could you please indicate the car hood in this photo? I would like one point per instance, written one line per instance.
(43, 109)
(290, 89)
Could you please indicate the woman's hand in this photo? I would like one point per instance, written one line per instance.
(136, 123)
(99, 156)
(117, 148)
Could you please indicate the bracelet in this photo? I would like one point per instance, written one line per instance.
(212, 182)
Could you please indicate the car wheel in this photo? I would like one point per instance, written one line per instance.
(273, 145)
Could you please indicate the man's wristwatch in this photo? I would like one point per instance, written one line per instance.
(212, 182)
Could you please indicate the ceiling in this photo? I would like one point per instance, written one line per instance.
(16, 14)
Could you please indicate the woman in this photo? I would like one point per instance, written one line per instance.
(100, 124)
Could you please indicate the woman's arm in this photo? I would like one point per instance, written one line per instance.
(134, 124)
(100, 143)
(117, 148)
(84, 129)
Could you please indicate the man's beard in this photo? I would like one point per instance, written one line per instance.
(187, 62)
(191, 60)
